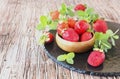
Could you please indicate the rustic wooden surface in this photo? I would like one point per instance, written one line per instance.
(20, 56)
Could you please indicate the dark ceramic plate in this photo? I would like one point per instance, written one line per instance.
(111, 66)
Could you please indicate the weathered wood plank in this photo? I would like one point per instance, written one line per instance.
(20, 55)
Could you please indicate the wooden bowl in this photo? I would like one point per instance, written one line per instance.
(77, 47)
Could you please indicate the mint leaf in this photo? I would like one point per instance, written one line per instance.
(81, 13)
(63, 18)
(49, 20)
(109, 32)
(89, 15)
(71, 55)
(40, 27)
(43, 20)
(53, 25)
(116, 37)
(89, 10)
(93, 18)
(112, 36)
(102, 41)
(42, 39)
(70, 60)
(67, 57)
(62, 57)
(70, 12)
(63, 9)
(113, 41)
(96, 45)
(106, 44)
(101, 36)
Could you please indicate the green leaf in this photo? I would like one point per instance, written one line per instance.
(116, 37)
(71, 55)
(70, 12)
(109, 32)
(63, 9)
(106, 50)
(106, 44)
(102, 47)
(81, 13)
(49, 20)
(43, 20)
(96, 45)
(93, 17)
(40, 27)
(70, 61)
(42, 39)
(53, 25)
(101, 36)
(63, 18)
(97, 35)
(62, 57)
(89, 10)
(113, 41)
(67, 57)
(99, 43)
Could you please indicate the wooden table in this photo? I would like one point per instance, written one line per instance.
(20, 55)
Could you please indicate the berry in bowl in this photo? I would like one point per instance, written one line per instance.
(75, 38)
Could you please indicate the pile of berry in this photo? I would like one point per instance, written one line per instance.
(78, 24)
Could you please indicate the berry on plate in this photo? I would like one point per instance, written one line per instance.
(46, 38)
(96, 58)
(100, 26)
(49, 38)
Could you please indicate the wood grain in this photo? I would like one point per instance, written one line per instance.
(20, 55)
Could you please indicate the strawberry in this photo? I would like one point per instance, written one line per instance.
(46, 38)
(55, 15)
(81, 26)
(70, 35)
(100, 26)
(86, 36)
(49, 38)
(71, 22)
(80, 7)
(62, 27)
(96, 58)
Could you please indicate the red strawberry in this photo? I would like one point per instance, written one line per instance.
(62, 27)
(46, 38)
(70, 35)
(86, 36)
(80, 7)
(81, 26)
(100, 26)
(71, 22)
(96, 58)
(55, 15)
(49, 38)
